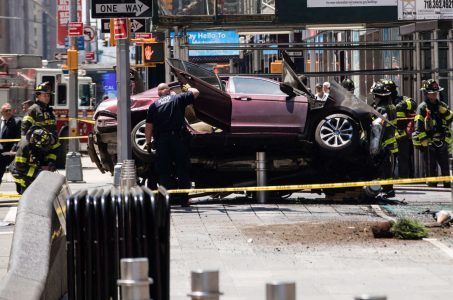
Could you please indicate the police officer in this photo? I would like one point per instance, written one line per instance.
(389, 148)
(165, 124)
(405, 111)
(348, 84)
(31, 157)
(432, 131)
(41, 114)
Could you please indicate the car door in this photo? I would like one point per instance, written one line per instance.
(260, 107)
(213, 105)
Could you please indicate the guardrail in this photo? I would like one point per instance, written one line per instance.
(37, 265)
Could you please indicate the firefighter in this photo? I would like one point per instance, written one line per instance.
(31, 157)
(41, 114)
(348, 84)
(405, 112)
(388, 147)
(432, 131)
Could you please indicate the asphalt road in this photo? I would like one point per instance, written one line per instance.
(325, 247)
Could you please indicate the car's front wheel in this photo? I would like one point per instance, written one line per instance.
(139, 142)
(337, 133)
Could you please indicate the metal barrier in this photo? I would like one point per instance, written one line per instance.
(281, 291)
(205, 285)
(134, 280)
(106, 226)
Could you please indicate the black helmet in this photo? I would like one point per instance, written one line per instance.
(431, 86)
(43, 88)
(40, 138)
(348, 84)
(379, 89)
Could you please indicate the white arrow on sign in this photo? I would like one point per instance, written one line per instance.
(136, 25)
(112, 8)
(61, 56)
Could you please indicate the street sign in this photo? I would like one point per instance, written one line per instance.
(120, 29)
(80, 43)
(89, 55)
(75, 29)
(89, 33)
(137, 25)
(153, 53)
(61, 56)
(121, 8)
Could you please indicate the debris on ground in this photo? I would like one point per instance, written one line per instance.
(409, 229)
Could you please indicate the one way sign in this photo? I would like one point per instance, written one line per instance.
(121, 8)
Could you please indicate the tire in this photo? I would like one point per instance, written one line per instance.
(337, 133)
(138, 142)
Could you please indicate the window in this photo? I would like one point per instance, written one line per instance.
(61, 100)
(84, 95)
(255, 86)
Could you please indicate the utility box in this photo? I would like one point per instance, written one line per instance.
(74, 167)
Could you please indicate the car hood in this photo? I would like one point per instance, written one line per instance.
(339, 96)
(139, 101)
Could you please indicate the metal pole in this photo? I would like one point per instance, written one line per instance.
(281, 291)
(450, 90)
(73, 90)
(87, 23)
(167, 54)
(418, 162)
(134, 280)
(124, 148)
(435, 54)
(261, 176)
(205, 285)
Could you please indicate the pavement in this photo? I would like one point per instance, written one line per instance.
(241, 240)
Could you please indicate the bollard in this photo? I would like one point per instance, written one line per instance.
(281, 291)
(261, 175)
(117, 174)
(134, 280)
(74, 167)
(205, 285)
(368, 297)
(128, 175)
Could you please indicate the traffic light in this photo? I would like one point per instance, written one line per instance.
(105, 43)
(153, 53)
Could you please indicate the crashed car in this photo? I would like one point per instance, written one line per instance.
(305, 140)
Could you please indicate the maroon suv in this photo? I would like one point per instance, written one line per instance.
(234, 117)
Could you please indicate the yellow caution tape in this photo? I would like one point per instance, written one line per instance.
(60, 138)
(78, 119)
(9, 196)
(313, 186)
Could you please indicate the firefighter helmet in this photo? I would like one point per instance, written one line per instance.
(431, 86)
(348, 84)
(43, 88)
(380, 89)
(40, 138)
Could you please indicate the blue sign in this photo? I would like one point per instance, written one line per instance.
(80, 43)
(212, 37)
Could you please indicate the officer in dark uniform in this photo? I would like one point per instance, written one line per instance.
(31, 157)
(405, 111)
(348, 84)
(41, 114)
(165, 124)
(389, 148)
(432, 131)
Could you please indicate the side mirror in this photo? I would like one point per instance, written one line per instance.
(287, 90)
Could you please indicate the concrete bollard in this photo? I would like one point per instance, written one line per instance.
(281, 291)
(368, 297)
(117, 174)
(205, 285)
(134, 280)
(261, 176)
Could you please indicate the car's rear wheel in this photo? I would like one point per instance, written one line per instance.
(139, 142)
(337, 132)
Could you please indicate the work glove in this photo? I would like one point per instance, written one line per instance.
(424, 143)
(185, 88)
(442, 109)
